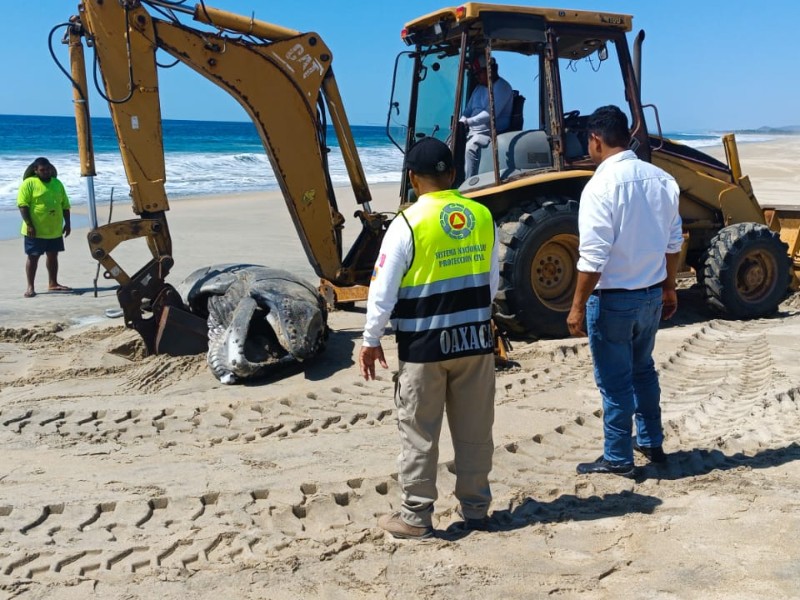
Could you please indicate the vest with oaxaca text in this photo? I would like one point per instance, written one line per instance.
(444, 304)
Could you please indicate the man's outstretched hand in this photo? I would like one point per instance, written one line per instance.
(366, 360)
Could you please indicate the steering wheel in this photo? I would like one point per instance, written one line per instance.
(571, 115)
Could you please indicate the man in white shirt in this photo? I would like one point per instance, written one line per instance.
(436, 276)
(476, 113)
(630, 242)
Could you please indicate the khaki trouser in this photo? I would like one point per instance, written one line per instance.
(466, 387)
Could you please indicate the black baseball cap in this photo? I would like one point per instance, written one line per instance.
(429, 156)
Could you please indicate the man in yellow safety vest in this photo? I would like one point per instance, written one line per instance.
(436, 276)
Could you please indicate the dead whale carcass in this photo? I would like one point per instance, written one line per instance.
(258, 318)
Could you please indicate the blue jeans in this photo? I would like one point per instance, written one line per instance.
(622, 329)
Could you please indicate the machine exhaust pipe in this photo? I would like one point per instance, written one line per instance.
(637, 60)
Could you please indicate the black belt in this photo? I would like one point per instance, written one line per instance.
(618, 290)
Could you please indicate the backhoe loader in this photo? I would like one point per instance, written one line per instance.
(530, 176)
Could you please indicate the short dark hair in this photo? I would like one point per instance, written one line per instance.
(610, 124)
(41, 161)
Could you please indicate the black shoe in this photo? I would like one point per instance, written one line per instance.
(655, 454)
(484, 524)
(601, 465)
(481, 524)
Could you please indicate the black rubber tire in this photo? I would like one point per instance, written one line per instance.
(747, 271)
(534, 299)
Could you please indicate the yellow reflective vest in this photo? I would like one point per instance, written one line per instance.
(444, 304)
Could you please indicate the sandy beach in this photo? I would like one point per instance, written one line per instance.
(123, 476)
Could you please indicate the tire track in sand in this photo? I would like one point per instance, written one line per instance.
(724, 402)
(168, 532)
(337, 409)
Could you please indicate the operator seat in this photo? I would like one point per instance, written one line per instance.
(518, 151)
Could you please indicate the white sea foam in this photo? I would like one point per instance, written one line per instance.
(196, 174)
(190, 174)
(706, 140)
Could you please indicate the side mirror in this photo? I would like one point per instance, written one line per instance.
(602, 53)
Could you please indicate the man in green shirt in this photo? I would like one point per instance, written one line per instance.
(44, 207)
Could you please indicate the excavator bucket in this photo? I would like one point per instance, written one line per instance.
(180, 333)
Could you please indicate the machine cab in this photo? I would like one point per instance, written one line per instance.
(559, 66)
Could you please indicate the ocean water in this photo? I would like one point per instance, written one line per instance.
(202, 158)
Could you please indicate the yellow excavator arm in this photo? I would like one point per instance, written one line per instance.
(284, 81)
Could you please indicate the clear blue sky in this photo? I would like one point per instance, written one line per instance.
(707, 65)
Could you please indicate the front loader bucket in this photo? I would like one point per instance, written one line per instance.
(786, 222)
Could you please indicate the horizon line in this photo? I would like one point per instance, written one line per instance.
(173, 119)
(761, 129)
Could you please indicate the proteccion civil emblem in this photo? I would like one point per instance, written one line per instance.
(457, 221)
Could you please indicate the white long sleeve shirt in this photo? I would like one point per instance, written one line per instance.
(628, 220)
(394, 259)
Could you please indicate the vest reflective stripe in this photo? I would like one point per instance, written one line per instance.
(442, 321)
(444, 301)
(448, 285)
